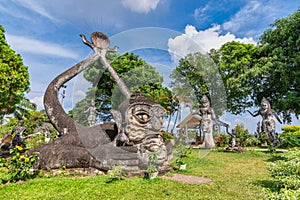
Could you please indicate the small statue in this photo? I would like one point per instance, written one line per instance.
(232, 141)
(268, 123)
(18, 133)
(207, 113)
(92, 110)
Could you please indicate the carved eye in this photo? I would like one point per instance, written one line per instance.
(142, 116)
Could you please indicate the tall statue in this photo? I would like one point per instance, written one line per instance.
(268, 123)
(208, 115)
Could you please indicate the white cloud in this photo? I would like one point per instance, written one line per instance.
(33, 5)
(38, 100)
(200, 13)
(23, 44)
(245, 15)
(253, 18)
(140, 6)
(192, 41)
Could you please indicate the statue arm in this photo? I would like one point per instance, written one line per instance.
(87, 110)
(213, 115)
(277, 117)
(253, 115)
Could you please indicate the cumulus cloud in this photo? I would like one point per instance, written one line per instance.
(140, 6)
(192, 41)
(24, 44)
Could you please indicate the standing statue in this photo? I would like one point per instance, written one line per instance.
(268, 123)
(17, 132)
(208, 115)
(92, 110)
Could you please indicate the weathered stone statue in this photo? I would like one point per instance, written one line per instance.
(208, 115)
(92, 110)
(232, 141)
(135, 133)
(268, 123)
(18, 133)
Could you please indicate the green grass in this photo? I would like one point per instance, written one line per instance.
(235, 176)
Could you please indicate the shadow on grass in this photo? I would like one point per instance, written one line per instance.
(275, 157)
(268, 184)
(113, 180)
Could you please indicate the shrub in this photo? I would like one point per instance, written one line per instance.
(182, 152)
(242, 134)
(286, 174)
(222, 140)
(19, 165)
(290, 137)
(167, 136)
(116, 173)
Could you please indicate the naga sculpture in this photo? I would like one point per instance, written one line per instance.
(135, 133)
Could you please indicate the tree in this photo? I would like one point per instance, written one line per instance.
(280, 47)
(195, 76)
(14, 77)
(137, 75)
(241, 73)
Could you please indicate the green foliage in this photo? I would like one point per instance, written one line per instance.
(181, 153)
(290, 137)
(19, 165)
(137, 75)
(286, 174)
(3, 162)
(36, 121)
(196, 75)
(239, 73)
(280, 47)
(14, 77)
(270, 69)
(242, 135)
(222, 140)
(159, 94)
(116, 173)
(167, 135)
(152, 162)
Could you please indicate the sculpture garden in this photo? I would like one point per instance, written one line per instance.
(59, 155)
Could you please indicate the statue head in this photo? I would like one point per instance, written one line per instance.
(205, 101)
(265, 104)
(144, 122)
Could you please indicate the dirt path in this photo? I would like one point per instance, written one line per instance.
(188, 179)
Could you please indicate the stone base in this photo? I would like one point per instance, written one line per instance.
(92, 149)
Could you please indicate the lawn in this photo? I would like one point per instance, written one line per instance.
(235, 176)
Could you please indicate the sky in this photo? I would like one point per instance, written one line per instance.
(46, 34)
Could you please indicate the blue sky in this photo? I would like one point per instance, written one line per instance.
(46, 33)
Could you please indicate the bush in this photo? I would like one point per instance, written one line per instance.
(222, 140)
(290, 137)
(167, 136)
(242, 134)
(19, 165)
(116, 173)
(286, 174)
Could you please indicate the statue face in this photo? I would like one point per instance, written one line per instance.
(205, 104)
(144, 123)
(264, 106)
